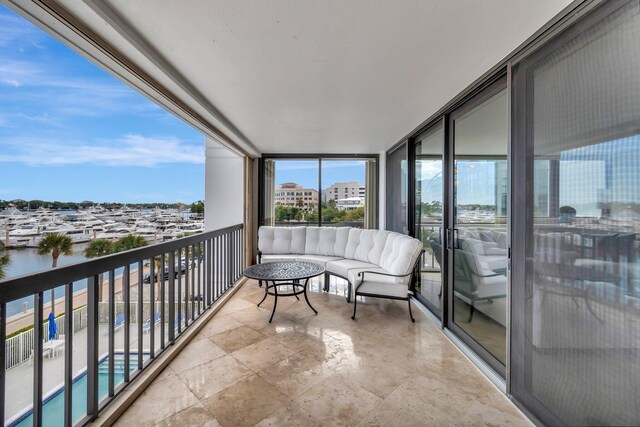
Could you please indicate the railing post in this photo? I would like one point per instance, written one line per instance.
(172, 295)
(152, 306)
(112, 332)
(179, 299)
(37, 358)
(163, 318)
(140, 314)
(3, 358)
(92, 347)
(230, 259)
(68, 355)
(217, 266)
(126, 289)
(193, 280)
(207, 273)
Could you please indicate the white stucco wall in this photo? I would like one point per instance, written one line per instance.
(224, 193)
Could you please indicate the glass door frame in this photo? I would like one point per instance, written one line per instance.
(498, 84)
(441, 314)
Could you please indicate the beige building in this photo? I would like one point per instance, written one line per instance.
(343, 190)
(289, 193)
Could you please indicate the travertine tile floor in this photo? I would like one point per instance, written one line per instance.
(308, 370)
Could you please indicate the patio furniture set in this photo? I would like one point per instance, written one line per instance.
(375, 263)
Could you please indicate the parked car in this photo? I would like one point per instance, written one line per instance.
(178, 270)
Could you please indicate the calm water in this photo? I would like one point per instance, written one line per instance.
(27, 261)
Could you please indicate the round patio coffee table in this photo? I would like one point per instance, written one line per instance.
(284, 273)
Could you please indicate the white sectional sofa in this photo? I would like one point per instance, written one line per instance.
(389, 259)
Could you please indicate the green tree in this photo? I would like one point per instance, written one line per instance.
(98, 248)
(4, 262)
(355, 215)
(55, 244)
(312, 216)
(95, 249)
(128, 242)
(197, 207)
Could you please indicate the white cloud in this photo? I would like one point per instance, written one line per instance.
(13, 82)
(130, 150)
(15, 29)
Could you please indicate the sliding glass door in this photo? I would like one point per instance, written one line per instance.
(429, 208)
(477, 235)
(577, 131)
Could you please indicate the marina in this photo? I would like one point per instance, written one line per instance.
(25, 229)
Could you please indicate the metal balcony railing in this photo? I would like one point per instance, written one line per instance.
(183, 278)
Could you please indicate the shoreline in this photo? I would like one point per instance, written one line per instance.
(24, 320)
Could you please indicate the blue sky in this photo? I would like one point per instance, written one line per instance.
(305, 172)
(70, 131)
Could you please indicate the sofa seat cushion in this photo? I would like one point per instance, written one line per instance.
(278, 258)
(318, 259)
(383, 288)
(342, 267)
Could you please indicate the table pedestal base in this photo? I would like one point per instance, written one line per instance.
(298, 289)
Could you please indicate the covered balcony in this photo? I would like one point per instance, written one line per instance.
(498, 138)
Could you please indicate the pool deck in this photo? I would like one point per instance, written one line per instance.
(19, 380)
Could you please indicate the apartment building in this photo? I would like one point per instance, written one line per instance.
(289, 193)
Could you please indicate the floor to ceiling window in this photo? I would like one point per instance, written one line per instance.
(331, 191)
(396, 206)
(532, 241)
(429, 208)
(479, 241)
(579, 123)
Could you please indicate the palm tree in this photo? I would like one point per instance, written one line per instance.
(4, 261)
(128, 242)
(55, 244)
(95, 249)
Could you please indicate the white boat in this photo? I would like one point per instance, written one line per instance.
(25, 231)
(114, 233)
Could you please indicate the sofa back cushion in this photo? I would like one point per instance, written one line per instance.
(328, 241)
(366, 245)
(281, 240)
(400, 253)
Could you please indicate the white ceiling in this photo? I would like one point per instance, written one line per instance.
(341, 76)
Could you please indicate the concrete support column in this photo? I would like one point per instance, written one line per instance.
(224, 187)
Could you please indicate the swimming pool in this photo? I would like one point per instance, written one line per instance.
(53, 407)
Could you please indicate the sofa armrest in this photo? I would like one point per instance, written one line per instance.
(411, 273)
(362, 273)
(494, 250)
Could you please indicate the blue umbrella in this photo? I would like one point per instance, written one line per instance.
(52, 326)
